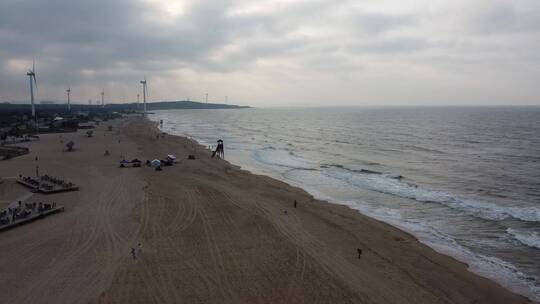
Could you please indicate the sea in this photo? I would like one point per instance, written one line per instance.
(463, 180)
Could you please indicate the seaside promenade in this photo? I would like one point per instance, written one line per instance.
(210, 233)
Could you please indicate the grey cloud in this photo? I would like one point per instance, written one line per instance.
(121, 40)
(375, 23)
(503, 17)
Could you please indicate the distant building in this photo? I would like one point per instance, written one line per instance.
(46, 102)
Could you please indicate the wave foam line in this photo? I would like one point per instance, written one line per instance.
(395, 186)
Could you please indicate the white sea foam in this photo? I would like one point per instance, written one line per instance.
(282, 158)
(528, 238)
(390, 185)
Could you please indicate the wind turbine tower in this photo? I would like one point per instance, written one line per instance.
(68, 91)
(103, 98)
(143, 82)
(138, 97)
(206, 97)
(32, 77)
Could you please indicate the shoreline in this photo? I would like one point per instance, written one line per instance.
(338, 204)
(211, 232)
(476, 264)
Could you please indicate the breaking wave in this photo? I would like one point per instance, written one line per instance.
(282, 158)
(396, 186)
(528, 238)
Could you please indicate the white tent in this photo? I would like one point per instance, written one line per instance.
(155, 163)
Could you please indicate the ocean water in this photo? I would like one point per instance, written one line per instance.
(465, 180)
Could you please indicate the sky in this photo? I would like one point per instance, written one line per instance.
(275, 53)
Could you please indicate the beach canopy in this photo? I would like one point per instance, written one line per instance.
(155, 163)
(172, 157)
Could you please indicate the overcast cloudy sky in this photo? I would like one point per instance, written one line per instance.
(275, 53)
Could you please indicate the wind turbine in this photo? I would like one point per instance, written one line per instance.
(32, 77)
(206, 97)
(226, 99)
(68, 91)
(103, 98)
(143, 82)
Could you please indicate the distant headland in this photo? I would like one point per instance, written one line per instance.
(151, 106)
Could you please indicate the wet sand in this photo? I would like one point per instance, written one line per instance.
(210, 233)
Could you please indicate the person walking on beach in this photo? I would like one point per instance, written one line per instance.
(295, 203)
(359, 252)
(133, 253)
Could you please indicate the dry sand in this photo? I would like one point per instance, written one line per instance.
(210, 233)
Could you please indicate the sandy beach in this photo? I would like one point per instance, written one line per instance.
(209, 233)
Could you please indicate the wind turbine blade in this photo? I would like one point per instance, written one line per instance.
(34, 73)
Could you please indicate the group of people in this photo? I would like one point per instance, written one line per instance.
(10, 215)
(46, 182)
(56, 181)
(136, 252)
(30, 180)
